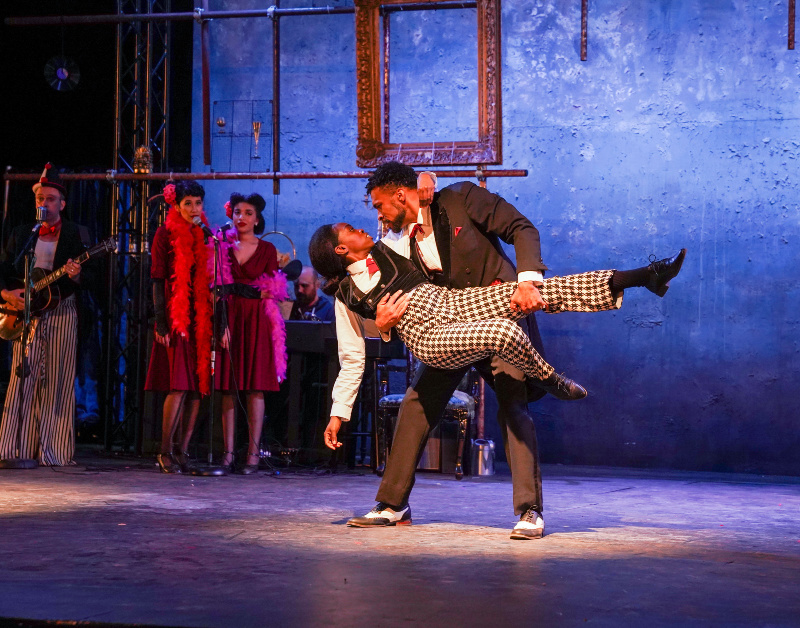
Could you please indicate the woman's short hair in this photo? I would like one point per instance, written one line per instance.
(188, 188)
(325, 260)
(257, 201)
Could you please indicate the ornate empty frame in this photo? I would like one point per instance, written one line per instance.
(374, 147)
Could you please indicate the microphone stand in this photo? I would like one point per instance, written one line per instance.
(30, 259)
(210, 470)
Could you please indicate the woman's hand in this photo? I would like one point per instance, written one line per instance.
(225, 341)
(332, 432)
(425, 189)
(162, 340)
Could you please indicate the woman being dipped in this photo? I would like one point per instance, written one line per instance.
(253, 355)
(180, 362)
(450, 329)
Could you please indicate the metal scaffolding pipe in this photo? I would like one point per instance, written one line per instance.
(205, 77)
(276, 102)
(112, 177)
(201, 15)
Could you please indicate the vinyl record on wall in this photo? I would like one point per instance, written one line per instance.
(61, 73)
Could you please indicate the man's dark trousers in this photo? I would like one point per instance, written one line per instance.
(468, 224)
(422, 408)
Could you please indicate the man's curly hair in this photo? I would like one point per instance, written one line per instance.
(392, 175)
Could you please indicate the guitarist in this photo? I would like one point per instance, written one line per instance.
(48, 410)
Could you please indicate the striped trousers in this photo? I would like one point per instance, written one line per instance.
(450, 329)
(48, 406)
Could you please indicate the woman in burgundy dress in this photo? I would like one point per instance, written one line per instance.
(180, 362)
(253, 355)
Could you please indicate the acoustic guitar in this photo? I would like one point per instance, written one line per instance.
(44, 295)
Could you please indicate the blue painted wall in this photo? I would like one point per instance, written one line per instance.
(679, 131)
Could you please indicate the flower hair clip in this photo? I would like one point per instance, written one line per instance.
(169, 193)
(228, 209)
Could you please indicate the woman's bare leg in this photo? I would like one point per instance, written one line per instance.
(191, 407)
(173, 405)
(228, 427)
(255, 423)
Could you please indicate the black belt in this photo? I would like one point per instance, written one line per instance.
(240, 290)
(438, 278)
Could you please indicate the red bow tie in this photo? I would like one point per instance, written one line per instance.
(417, 228)
(372, 267)
(46, 229)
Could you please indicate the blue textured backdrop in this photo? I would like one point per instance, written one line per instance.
(679, 130)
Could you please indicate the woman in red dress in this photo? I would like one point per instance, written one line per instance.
(180, 361)
(253, 355)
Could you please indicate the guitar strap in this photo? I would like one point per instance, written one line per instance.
(83, 232)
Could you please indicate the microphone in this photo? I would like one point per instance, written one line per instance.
(225, 228)
(41, 214)
(199, 223)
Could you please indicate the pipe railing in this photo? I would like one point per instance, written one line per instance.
(112, 176)
(200, 15)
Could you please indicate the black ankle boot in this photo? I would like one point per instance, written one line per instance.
(562, 387)
(661, 272)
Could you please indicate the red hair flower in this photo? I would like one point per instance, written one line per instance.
(169, 194)
(228, 209)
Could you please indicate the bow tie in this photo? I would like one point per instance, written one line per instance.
(417, 228)
(372, 267)
(46, 229)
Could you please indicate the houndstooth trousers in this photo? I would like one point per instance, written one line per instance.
(449, 329)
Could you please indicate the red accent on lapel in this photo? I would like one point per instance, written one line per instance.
(457, 230)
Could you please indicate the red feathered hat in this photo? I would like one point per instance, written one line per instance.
(50, 179)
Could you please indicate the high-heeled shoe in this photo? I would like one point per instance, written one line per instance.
(166, 464)
(249, 469)
(183, 461)
(231, 465)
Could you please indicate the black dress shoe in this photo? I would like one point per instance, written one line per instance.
(662, 271)
(562, 387)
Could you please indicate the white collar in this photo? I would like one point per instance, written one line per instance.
(358, 267)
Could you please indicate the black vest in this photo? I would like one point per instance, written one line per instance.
(397, 273)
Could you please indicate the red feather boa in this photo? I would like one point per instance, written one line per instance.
(191, 281)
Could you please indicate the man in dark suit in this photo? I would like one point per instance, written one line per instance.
(457, 243)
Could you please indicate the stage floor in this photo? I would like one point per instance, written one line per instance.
(115, 541)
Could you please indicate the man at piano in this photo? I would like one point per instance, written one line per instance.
(309, 305)
(48, 401)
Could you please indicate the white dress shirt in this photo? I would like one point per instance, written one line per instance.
(45, 254)
(351, 329)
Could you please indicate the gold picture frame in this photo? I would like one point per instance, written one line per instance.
(373, 120)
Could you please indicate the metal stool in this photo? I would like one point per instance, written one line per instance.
(460, 410)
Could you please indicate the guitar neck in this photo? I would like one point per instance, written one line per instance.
(58, 274)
